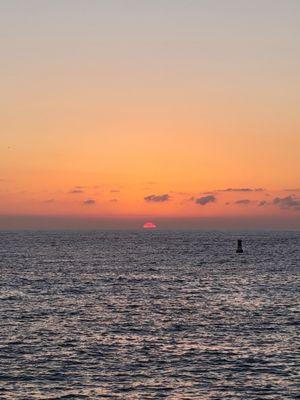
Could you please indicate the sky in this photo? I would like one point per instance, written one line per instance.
(181, 112)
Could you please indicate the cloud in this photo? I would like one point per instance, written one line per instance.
(243, 202)
(205, 200)
(262, 203)
(89, 202)
(157, 198)
(288, 202)
(292, 190)
(242, 190)
(48, 201)
(76, 191)
(115, 191)
(113, 200)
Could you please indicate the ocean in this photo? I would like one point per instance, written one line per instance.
(149, 315)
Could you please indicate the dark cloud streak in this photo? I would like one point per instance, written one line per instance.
(243, 202)
(157, 198)
(76, 191)
(89, 202)
(262, 203)
(242, 190)
(202, 201)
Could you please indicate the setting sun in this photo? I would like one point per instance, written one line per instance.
(149, 225)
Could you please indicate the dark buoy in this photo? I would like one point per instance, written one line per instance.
(239, 246)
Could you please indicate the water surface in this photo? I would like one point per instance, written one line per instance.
(149, 315)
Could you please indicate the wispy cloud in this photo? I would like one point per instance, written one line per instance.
(243, 202)
(205, 200)
(115, 191)
(262, 203)
(211, 192)
(289, 202)
(76, 191)
(89, 202)
(242, 190)
(49, 201)
(157, 198)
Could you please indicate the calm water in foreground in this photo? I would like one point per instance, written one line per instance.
(149, 315)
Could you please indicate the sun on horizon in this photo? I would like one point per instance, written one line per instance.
(149, 225)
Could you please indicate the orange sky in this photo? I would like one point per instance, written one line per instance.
(102, 109)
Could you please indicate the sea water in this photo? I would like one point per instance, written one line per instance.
(149, 315)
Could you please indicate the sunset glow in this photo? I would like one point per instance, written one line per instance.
(145, 111)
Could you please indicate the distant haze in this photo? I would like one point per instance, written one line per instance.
(204, 223)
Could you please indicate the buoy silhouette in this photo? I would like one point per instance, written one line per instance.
(239, 246)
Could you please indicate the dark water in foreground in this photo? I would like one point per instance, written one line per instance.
(149, 315)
